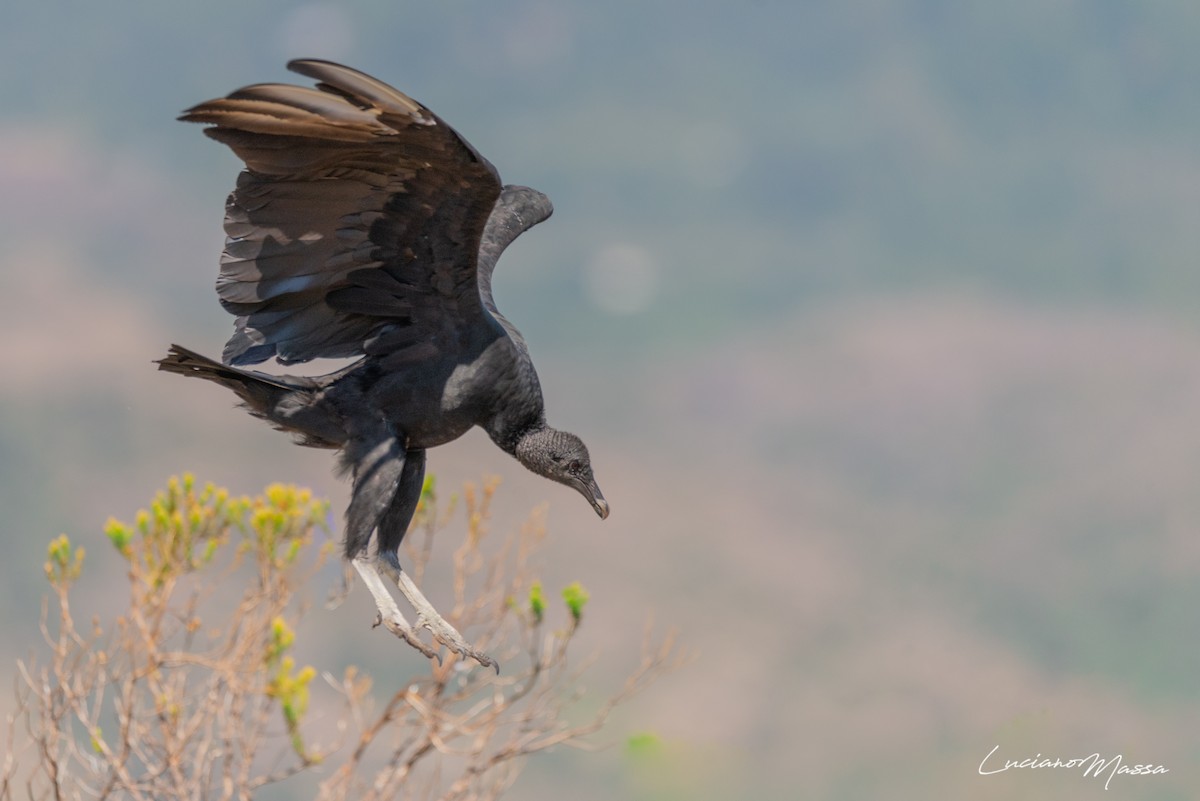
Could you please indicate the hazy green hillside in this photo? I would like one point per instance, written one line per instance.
(880, 317)
(764, 155)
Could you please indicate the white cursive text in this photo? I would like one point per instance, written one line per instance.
(1093, 765)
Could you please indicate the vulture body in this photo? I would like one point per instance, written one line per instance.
(364, 226)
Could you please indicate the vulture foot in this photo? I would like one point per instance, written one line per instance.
(388, 613)
(442, 631)
(427, 617)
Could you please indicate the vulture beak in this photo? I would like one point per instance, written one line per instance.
(592, 492)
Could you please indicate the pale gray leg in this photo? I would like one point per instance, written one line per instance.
(387, 612)
(380, 465)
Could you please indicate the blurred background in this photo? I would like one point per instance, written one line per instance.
(879, 318)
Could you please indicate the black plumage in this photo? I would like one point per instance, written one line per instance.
(364, 226)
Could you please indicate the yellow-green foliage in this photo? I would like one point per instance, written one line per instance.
(181, 533)
(181, 530)
(184, 527)
(282, 521)
(287, 685)
(537, 603)
(576, 597)
(643, 745)
(65, 562)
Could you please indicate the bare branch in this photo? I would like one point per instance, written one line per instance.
(189, 696)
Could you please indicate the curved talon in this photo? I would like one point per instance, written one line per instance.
(465, 651)
(448, 636)
(428, 618)
(410, 637)
(487, 661)
(401, 629)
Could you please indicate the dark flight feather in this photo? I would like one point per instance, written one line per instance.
(350, 177)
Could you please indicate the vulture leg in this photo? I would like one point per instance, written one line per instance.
(388, 613)
(377, 473)
(392, 527)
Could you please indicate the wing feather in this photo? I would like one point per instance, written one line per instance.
(360, 211)
(359, 87)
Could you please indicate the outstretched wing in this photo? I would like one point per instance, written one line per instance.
(356, 225)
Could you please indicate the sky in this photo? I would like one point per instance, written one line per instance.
(878, 319)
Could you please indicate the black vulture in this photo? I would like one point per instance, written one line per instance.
(365, 226)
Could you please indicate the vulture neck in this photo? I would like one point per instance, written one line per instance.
(517, 209)
(500, 232)
(508, 433)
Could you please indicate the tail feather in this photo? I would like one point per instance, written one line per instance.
(258, 390)
(290, 403)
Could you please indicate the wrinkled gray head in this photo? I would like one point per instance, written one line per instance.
(562, 457)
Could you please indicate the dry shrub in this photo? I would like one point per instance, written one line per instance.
(194, 693)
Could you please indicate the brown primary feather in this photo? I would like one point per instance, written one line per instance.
(267, 116)
(326, 107)
(357, 85)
